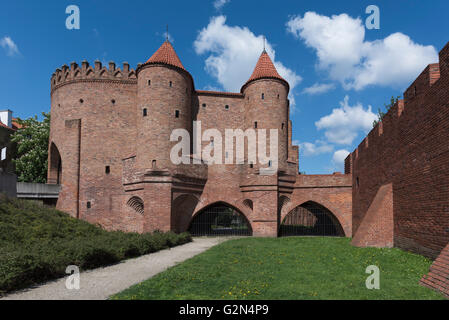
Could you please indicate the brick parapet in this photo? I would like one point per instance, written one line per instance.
(86, 73)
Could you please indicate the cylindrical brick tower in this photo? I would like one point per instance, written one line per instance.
(163, 105)
(267, 106)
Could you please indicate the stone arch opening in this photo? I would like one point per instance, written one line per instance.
(55, 166)
(311, 219)
(182, 210)
(136, 204)
(283, 201)
(248, 203)
(220, 219)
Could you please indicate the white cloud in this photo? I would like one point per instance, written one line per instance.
(339, 42)
(344, 124)
(8, 44)
(339, 158)
(233, 54)
(218, 4)
(319, 88)
(313, 149)
(211, 88)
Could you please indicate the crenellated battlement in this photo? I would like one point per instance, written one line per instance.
(87, 73)
(383, 130)
(419, 89)
(427, 78)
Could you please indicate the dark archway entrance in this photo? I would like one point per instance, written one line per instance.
(310, 219)
(55, 166)
(220, 219)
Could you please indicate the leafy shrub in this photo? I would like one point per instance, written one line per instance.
(37, 243)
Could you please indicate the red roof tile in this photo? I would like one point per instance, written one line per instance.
(264, 69)
(15, 124)
(167, 55)
(5, 126)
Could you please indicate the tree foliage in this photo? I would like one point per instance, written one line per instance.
(381, 114)
(32, 149)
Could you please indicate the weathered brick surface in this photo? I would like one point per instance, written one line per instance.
(107, 154)
(438, 276)
(409, 151)
(334, 192)
(376, 229)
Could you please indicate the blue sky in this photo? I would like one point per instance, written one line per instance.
(338, 68)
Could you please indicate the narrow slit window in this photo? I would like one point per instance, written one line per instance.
(149, 82)
(255, 125)
(171, 84)
(263, 96)
(226, 107)
(204, 105)
(88, 205)
(107, 170)
(177, 113)
(145, 112)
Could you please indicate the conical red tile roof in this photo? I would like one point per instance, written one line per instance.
(167, 55)
(264, 69)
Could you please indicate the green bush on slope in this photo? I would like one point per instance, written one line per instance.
(37, 244)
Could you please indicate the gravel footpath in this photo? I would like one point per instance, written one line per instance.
(99, 284)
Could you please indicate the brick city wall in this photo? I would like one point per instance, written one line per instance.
(438, 276)
(93, 125)
(401, 169)
(334, 192)
(110, 144)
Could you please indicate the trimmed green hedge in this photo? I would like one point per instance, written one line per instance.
(37, 244)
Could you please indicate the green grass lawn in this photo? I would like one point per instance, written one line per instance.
(288, 268)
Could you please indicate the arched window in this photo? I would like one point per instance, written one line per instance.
(55, 165)
(248, 203)
(136, 204)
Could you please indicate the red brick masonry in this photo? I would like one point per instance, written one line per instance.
(438, 277)
(110, 148)
(400, 174)
(110, 151)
